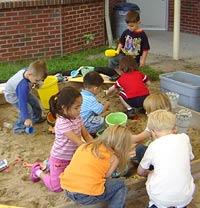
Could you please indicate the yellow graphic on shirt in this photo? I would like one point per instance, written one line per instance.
(132, 46)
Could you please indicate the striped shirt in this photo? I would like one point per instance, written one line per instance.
(63, 148)
(90, 105)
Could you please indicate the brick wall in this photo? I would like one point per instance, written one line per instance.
(190, 16)
(33, 29)
(82, 19)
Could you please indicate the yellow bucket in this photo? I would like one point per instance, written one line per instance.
(49, 88)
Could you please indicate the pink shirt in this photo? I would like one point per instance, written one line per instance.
(63, 148)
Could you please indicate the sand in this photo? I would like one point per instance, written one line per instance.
(15, 185)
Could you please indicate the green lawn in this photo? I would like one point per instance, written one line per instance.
(93, 57)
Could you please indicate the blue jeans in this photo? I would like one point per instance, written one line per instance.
(136, 102)
(114, 195)
(94, 123)
(154, 206)
(113, 62)
(140, 150)
(34, 110)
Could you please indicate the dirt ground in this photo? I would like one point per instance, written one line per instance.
(15, 185)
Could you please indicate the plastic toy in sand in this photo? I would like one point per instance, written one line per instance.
(173, 97)
(50, 119)
(30, 130)
(3, 164)
(183, 119)
(83, 70)
(111, 52)
(119, 118)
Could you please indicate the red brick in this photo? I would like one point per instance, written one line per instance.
(42, 27)
(11, 14)
(5, 19)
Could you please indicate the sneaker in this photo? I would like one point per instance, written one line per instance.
(135, 161)
(33, 176)
(41, 119)
(115, 174)
(114, 77)
(131, 113)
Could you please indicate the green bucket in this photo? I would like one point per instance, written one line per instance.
(116, 118)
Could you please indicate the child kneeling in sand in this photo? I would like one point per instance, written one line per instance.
(87, 180)
(18, 93)
(132, 86)
(170, 183)
(69, 129)
(91, 108)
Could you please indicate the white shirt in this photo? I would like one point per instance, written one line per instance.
(171, 182)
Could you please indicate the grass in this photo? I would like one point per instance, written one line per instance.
(92, 57)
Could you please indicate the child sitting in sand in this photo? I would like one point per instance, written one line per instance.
(91, 108)
(153, 102)
(68, 132)
(170, 184)
(87, 181)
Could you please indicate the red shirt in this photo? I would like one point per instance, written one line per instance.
(132, 84)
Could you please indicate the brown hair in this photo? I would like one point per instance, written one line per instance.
(132, 17)
(64, 99)
(127, 64)
(116, 138)
(92, 79)
(156, 101)
(39, 69)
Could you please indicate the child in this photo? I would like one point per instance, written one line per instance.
(18, 93)
(153, 102)
(131, 85)
(133, 42)
(170, 184)
(93, 183)
(68, 132)
(91, 108)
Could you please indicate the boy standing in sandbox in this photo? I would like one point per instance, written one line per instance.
(133, 42)
(17, 92)
(91, 108)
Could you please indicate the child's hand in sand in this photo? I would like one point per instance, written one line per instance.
(106, 105)
(28, 122)
(106, 92)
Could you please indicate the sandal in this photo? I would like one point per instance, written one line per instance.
(33, 176)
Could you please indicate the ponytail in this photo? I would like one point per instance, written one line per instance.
(53, 105)
(64, 99)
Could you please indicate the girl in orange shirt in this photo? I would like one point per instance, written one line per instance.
(87, 179)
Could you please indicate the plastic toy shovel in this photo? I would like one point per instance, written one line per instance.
(111, 52)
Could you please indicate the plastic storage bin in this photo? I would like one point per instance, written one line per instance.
(187, 85)
(120, 11)
(49, 88)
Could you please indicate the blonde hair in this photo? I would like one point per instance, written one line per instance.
(116, 138)
(157, 101)
(161, 120)
(38, 68)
